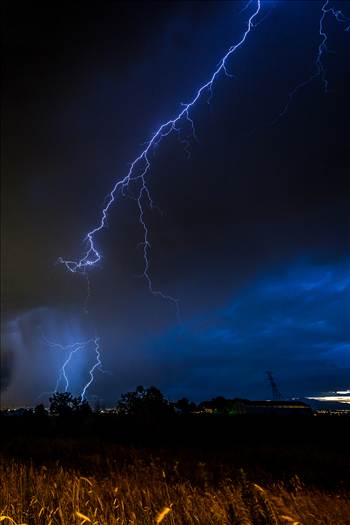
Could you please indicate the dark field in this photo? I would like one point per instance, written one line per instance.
(111, 470)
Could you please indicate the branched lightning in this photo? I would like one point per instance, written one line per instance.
(183, 126)
(322, 49)
(69, 351)
(141, 165)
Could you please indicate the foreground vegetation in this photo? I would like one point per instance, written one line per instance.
(148, 490)
(176, 469)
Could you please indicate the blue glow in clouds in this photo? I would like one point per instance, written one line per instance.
(69, 351)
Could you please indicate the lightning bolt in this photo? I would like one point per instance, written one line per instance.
(97, 364)
(71, 350)
(140, 167)
(319, 67)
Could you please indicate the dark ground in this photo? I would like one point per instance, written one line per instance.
(314, 448)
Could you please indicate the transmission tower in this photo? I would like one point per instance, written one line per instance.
(276, 394)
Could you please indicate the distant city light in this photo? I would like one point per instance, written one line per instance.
(340, 396)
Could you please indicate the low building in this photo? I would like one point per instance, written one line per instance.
(237, 406)
(245, 406)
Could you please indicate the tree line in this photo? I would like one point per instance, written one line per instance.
(140, 402)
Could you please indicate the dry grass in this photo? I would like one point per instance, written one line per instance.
(143, 493)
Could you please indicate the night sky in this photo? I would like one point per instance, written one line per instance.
(253, 230)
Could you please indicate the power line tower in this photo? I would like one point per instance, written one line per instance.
(276, 394)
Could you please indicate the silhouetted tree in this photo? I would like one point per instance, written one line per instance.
(144, 402)
(185, 406)
(40, 411)
(219, 405)
(64, 404)
(83, 408)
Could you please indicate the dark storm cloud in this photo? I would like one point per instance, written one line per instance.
(84, 86)
(6, 368)
(295, 322)
(25, 344)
